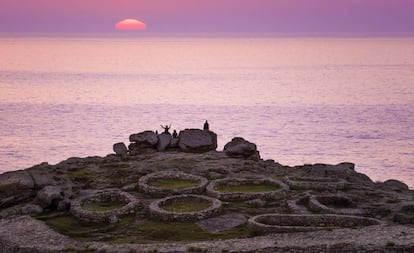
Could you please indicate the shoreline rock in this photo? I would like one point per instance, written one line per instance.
(193, 162)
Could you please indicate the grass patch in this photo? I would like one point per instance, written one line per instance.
(248, 187)
(71, 226)
(172, 184)
(82, 175)
(137, 230)
(186, 205)
(81, 231)
(97, 206)
(156, 231)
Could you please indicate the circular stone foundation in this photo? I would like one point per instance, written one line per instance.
(172, 183)
(405, 215)
(315, 183)
(238, 189)
(104, 207)
(286, 223)
(334, 204)
(185, 208)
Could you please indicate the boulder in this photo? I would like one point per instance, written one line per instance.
(51, 196)
(395, 185)
(31, 209)
(120, 148)
(42, 177)
(174, 143)
(146, 137)
(163, 141)
(197, 140)
(15, 186)
(239, 147)
(140, 148)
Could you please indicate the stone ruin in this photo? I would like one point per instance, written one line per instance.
(233, 194)
(288, 223)
(130, 205)
(145, 183)
(157, 208)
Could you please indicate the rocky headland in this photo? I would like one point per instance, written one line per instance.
(176, 193)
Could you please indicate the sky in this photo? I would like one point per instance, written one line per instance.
(212, 16)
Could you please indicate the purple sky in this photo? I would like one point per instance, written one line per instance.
(280, 16)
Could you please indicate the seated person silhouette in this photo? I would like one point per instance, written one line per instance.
(175, 135)
(206, 126)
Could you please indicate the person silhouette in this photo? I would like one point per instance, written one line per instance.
(166, 129)
(175, 135)
(206, 126)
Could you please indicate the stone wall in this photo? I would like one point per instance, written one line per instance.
(286, 223)
(144, 183)
(317, 204)
(241, 196)
(131, 206)
(157, 212)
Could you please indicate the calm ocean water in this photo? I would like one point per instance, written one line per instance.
(301, 100)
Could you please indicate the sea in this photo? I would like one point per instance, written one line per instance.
(302, 100)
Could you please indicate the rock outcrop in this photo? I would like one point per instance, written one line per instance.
(120, 148)
(174, 143)
(143, 142)
(342, 170)
(395, 185)
(239, 147)
(196, 140)
(210, 193)
(15, 187)
(163, 141)
(147, 137)
(54, 197)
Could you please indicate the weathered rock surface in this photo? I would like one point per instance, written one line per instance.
(51, 196)
(163, 141)
(44, 189)
(15, 186)
(395, 185)
(21, 210)
(31, 235)
(343, 170)
(143, 142)
(120, 148)
(174, 143)
(25, 234)
(146, 137)
(223, 222)
(196, 140)
(239, 147)
(31, 209)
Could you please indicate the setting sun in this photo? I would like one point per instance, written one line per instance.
(130, 24)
